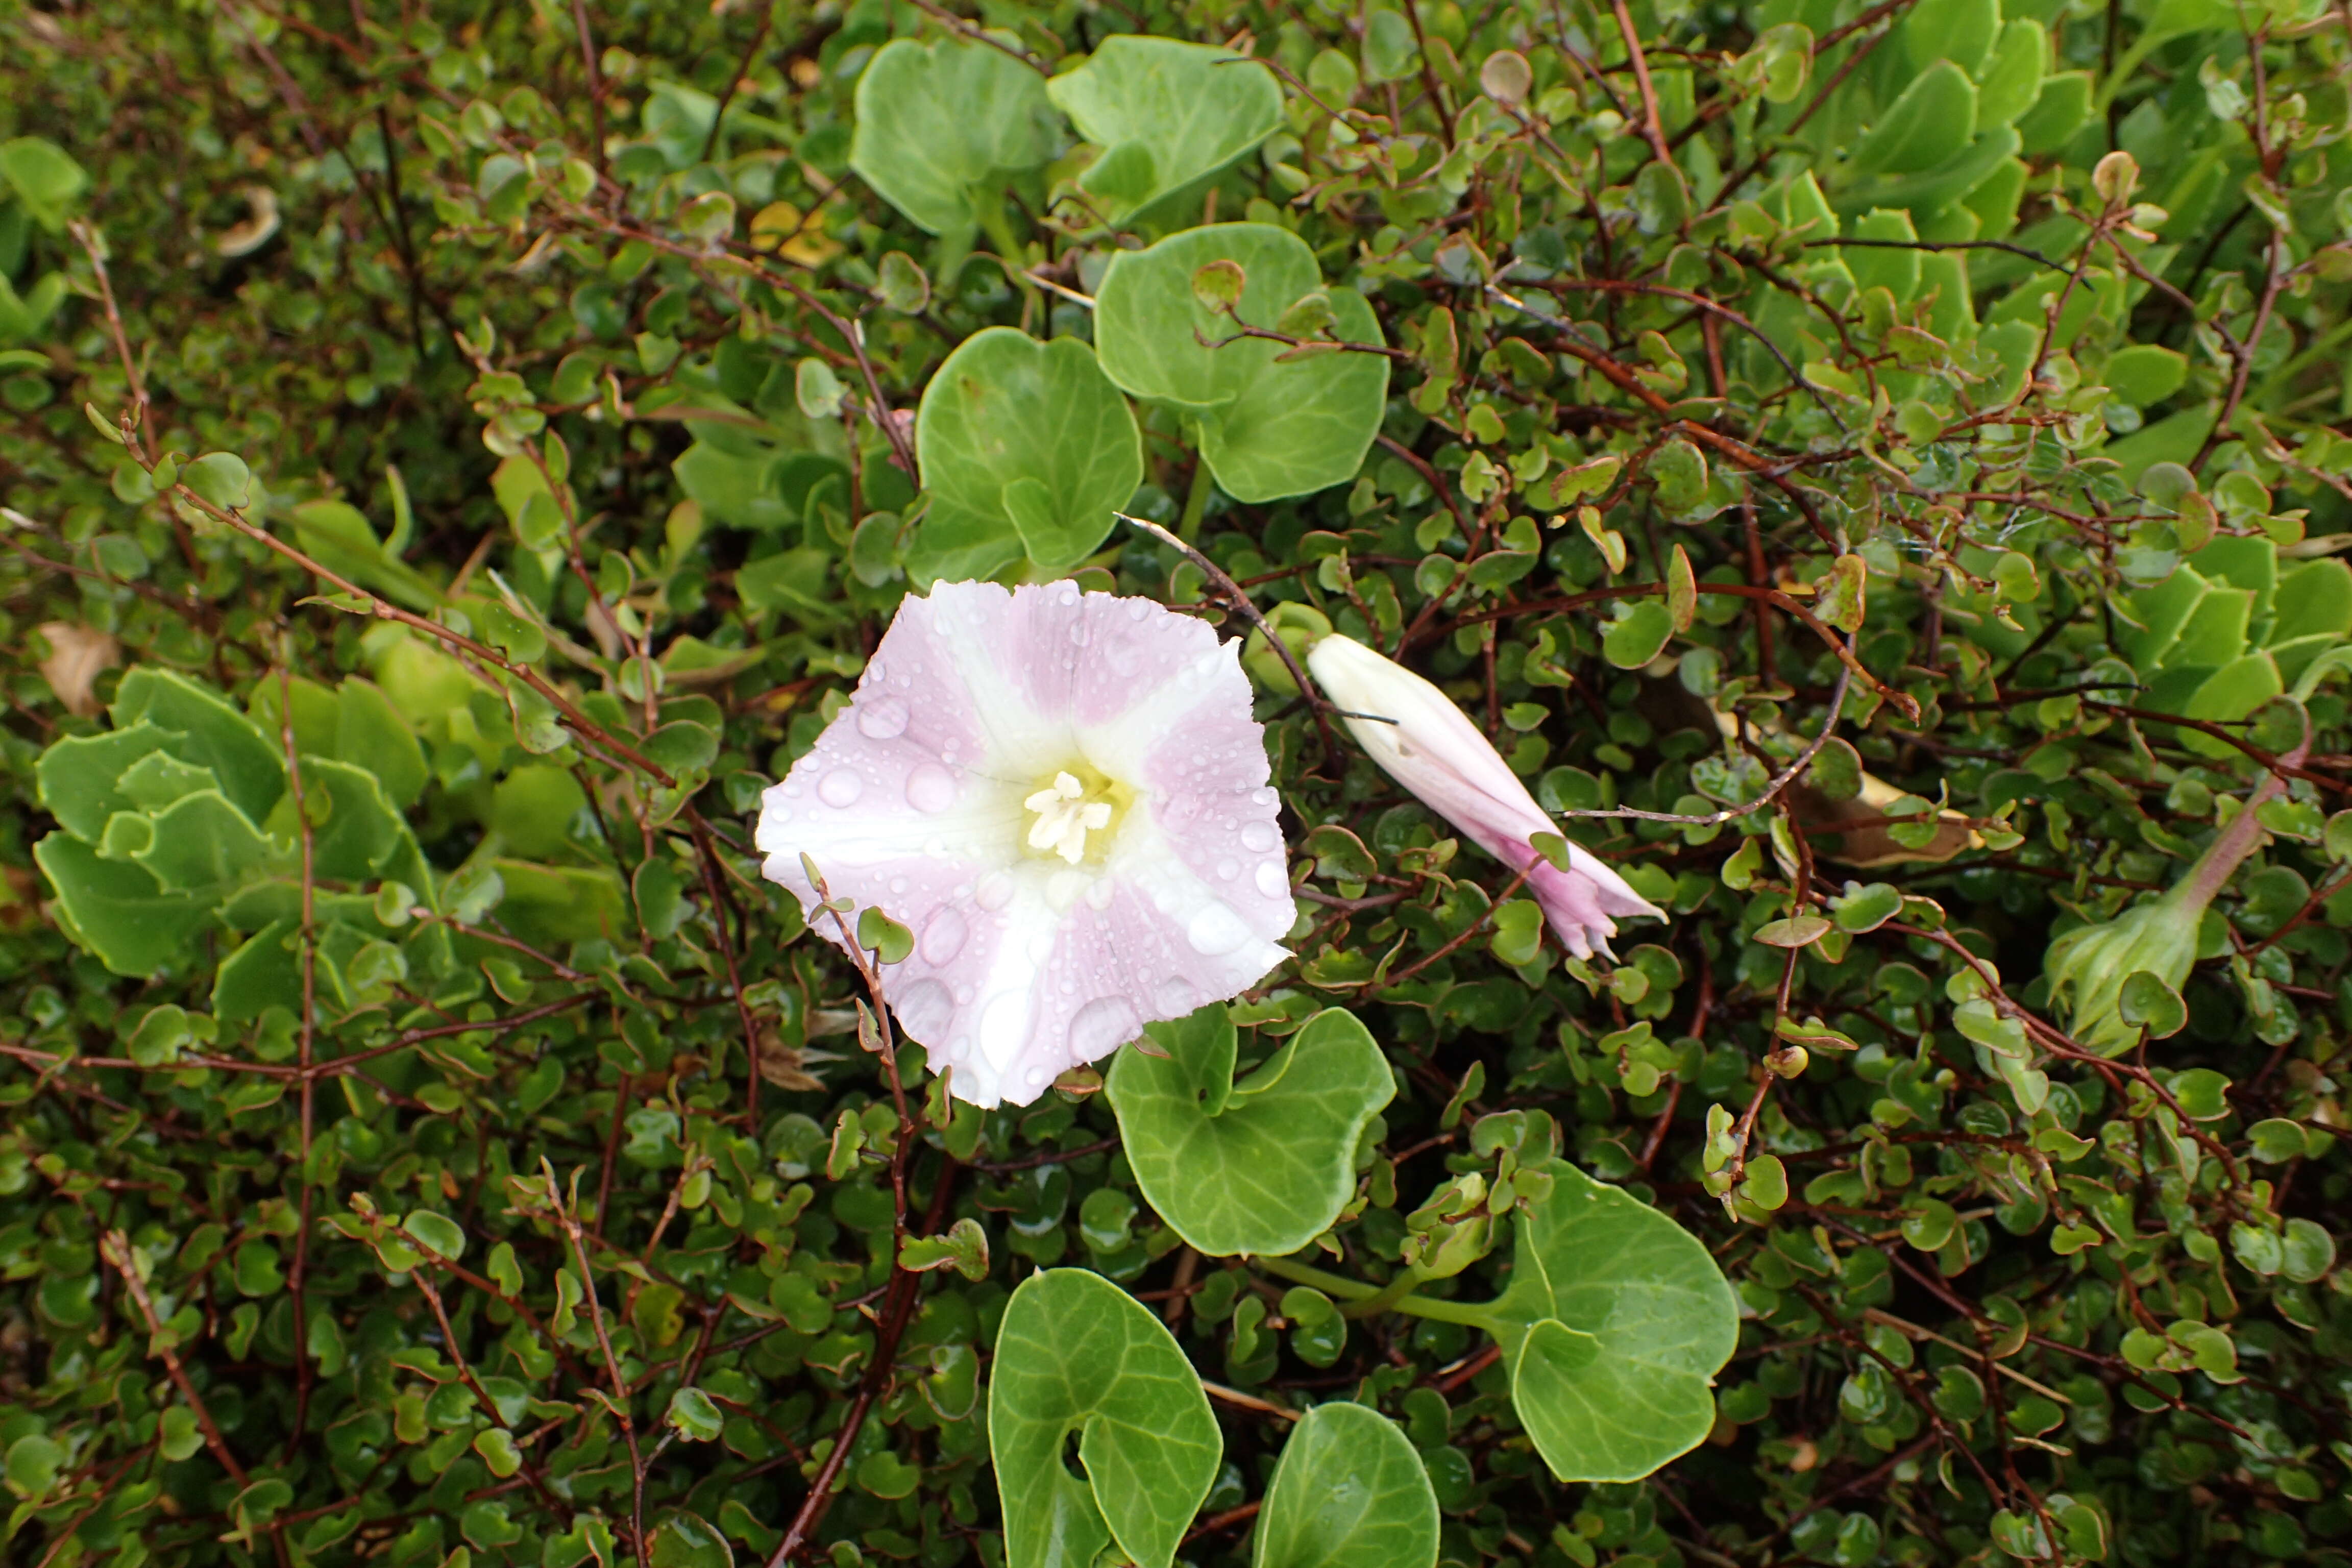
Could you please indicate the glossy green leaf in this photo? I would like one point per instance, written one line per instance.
(1349, 1492)
(1266, 430)
(211, 734)
(43, 177)
(1639, 636)
(941, 123)
(117, 910)
(1076, 1354)
(1165, 113)
(688, 1541)
(2010, 81)
(1026, 440)
(1259, 1166)
(1933, 115)
(78, 777)
(1614, 1324)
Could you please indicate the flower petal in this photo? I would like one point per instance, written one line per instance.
(913, 802)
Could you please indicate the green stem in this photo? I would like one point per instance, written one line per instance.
(1396, 1290)
(1196, 501)
(997, 223)
(1363, 1297)
(1334, 1285)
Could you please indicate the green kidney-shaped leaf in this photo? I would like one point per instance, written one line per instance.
(1031, 439)
(1079, 1354)
(1614, 1325)
(1266, 430)
(1165, 112)
(1263, 1166)
(1349, 1492)
(1639, 637)
(939, 122)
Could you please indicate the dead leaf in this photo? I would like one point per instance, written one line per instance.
(77, 654)
(780, 1064)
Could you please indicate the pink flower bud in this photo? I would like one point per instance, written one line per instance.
(1429, 745)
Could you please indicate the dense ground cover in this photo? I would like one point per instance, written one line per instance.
(1873, 471)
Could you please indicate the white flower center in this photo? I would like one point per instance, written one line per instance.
(1064, 817)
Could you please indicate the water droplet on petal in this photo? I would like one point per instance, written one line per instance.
(884, 718)
(1259, 837)
(996, 891)
(943, 936)
(1214, 929)
(840, 787)
(929, 787)
(1228, 869)
(1175, 998)
(1270, 879)
(1102, 1026)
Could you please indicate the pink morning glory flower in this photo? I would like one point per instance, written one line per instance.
(1429, 745)
(1064, 798)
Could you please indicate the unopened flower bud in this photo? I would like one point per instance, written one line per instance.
(1421, 739)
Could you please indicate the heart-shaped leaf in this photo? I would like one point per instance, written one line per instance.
(1166, 112)
(1349, 1492)
(1263, 1166)
(1026, 445)
(1267, 429)
(938, 123)
(1614, 1327)
(1076, 1353)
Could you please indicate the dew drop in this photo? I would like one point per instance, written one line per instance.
(929, 787)
(1228, 869)
(943, 936)
(1270, 879)
(1175, 998)
(1257, 838)
(884, 718)
(840, 787)
(996, 891)
(1215, 930)
(780, 813)
(873, 669)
